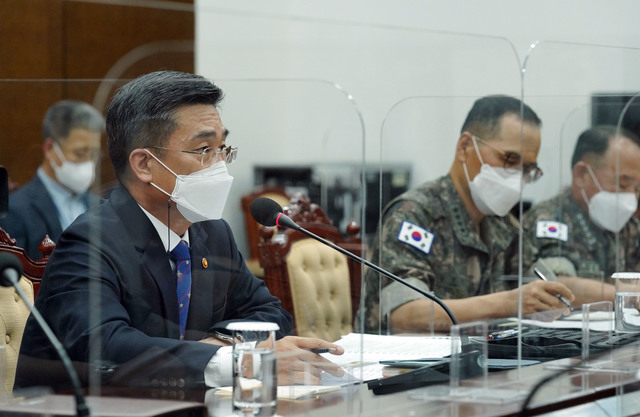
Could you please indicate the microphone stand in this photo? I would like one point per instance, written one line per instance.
(285, 221)
(82, 409)
(427, 375)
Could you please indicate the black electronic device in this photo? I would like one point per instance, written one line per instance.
(469, 365)
(545, 344)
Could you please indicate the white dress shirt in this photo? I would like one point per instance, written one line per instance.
(219, 370)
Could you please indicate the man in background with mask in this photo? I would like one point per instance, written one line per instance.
(141, 288)
(450, 235)
(574, 233)
(57, 194)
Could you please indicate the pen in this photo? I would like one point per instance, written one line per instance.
(560, 297)
(321, 350)
(502, 334)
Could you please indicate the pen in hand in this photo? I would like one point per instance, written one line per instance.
(560, 297)
(321, 350)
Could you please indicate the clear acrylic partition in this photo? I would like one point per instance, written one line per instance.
(303, 135)
(306, 135)
(576, 87)
(418, 138)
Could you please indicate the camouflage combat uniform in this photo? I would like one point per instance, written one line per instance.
(586, 250)
(454, 261)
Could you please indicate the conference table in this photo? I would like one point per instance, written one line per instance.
(607, 387)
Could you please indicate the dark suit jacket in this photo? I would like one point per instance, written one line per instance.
(109, 278)
(33, 215)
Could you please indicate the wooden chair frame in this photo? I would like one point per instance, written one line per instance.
(32, 269)
(273, 250)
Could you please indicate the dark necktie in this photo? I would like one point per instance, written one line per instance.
(180, 254)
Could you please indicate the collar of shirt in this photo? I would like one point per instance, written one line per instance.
(69, 204)
(169, 238)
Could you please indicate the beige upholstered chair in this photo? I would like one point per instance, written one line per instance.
(13, 310)
(319, 286)
(13, 318)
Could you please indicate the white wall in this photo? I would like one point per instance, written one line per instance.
(382, 53)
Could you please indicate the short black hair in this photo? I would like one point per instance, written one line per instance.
(486, 113)
(142, 112)
(65, 115)
(596, 140)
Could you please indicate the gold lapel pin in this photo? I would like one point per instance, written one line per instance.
(205, 264)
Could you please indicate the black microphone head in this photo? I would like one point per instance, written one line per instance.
(9, 262)
(265, 211)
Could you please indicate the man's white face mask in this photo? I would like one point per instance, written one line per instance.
(495, 190)
(610, 210)
(77, 176)
(200, 195)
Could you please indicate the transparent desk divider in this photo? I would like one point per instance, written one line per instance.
(603, 312)
(308, 134)
(469, 354)
(468, 370)
(571, 108)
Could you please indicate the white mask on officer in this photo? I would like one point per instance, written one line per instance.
(77, 176)
(610, 210)
(494, 190)
(200, 195)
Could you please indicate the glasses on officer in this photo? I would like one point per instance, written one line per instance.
(208, 155)
(512, 163)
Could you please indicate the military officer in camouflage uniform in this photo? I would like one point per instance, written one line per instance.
(574, 233)
(449, 236)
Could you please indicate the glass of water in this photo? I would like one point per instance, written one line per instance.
(627, 303)
(254, 368)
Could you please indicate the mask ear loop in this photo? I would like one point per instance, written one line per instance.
(58, 151)
(168, 201)
(475, 145)
(161, 163)
(169, 227)
(584, 196)
(464, 164)
(168, 169)
(593, 176)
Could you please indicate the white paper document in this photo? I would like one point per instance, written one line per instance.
(598, 320)
(363, 352)
(290, 392)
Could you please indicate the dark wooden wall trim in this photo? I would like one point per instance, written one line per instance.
(55, 49)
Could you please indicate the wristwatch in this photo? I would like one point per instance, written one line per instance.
(223, 337)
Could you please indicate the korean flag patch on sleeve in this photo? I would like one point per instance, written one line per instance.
(416, 236)
(552, 230)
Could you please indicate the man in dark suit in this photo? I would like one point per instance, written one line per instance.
(110, 291)
(57, 194)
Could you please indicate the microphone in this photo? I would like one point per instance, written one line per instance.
(10, 272)
(269, 213)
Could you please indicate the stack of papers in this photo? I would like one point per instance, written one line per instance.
(291, 392)
(361, 361)
(598, 320)
(363, 352)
